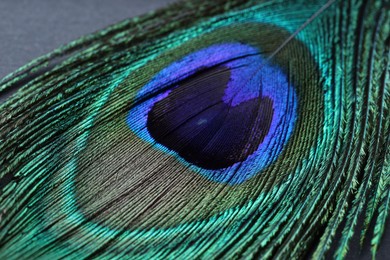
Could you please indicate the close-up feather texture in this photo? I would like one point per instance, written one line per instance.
(225, 129)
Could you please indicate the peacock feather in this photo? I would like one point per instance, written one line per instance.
(209, 129)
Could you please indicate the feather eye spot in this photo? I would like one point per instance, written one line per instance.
(222, 109)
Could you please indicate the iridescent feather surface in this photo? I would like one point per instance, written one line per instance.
(209, 129)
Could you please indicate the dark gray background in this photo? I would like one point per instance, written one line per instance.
(31, 28)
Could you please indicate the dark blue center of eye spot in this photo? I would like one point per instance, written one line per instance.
(198, 124)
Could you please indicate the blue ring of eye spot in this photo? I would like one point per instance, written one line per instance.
(249, 72)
